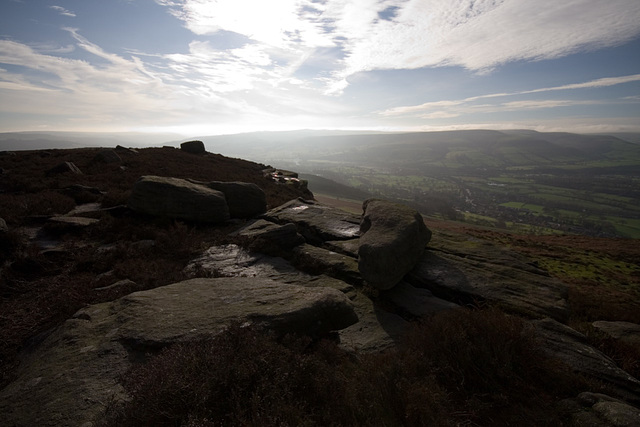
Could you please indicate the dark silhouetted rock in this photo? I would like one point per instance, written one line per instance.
(571, 347)
(193, 147)
(3, 226)
(626, 332)
(393, 238)
(120, 284)
(178, 198)
(69, 376)
(316, 222)
(64, 167)
(599, 410)
(77, 189)
(416, 302)
(106, 156)
(245, 200)
(124, 150)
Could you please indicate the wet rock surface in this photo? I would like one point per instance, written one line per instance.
(316, 222)
(269, 237)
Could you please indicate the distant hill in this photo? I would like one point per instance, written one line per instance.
(16, 141)
(451, 149)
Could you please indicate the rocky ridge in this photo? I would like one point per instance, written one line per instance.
(297, 270)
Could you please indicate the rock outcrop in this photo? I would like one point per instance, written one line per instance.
(316, 222)
(245, 200)
(470, 271)
(106, 156)
(64, 167)
(270, 238)
(178, 198)
(393, 237)
(71, 375)
(627, 332)
(599, 410)
(570, 346)
(193, 147)
(313, 286)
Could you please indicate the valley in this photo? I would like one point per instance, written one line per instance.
(520, 181)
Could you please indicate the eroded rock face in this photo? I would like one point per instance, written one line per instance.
(67, 379)
(178, 198)
(570, 346)
(469, 271)
(393, 237)
(316, 222)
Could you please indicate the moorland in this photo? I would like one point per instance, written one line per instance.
(474, 366)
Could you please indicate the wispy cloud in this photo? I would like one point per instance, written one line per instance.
(407, 34)
(62, 11)
(448, 104)
(235, 87)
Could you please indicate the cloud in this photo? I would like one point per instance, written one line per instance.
(225, 89)
(427, 106)
(62, 11)
(407, 34)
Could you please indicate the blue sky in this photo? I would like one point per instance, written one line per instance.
(211, 67)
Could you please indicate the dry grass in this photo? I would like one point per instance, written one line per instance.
(460, 368)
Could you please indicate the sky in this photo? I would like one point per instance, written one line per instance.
(205, 67)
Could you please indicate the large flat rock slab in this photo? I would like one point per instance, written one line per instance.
(316, 222)
(178, 198)
(470, 271)
(570, 346)
(234, 261)
(69, 377)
